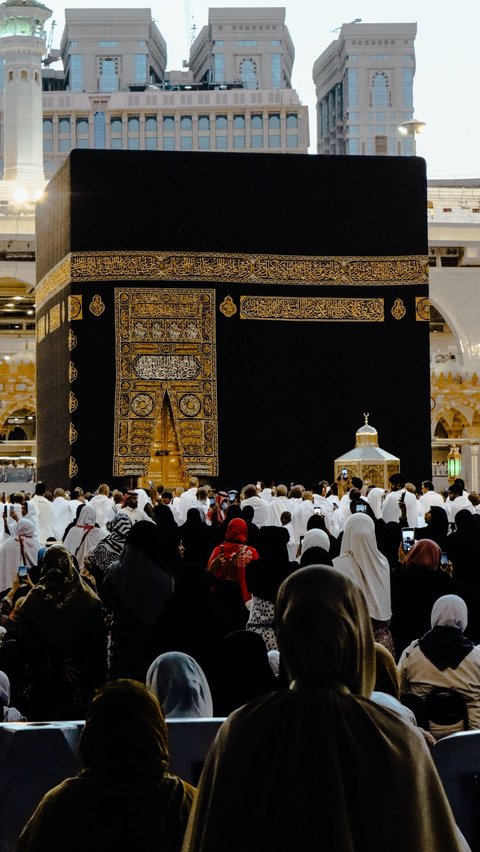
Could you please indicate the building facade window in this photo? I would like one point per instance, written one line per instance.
(116, 125)
(169, 122)
(219, 68)
(274, 140)
(169, 143)
(221, 143)
(151, 123)
(133, 124)
(76, 73)
(256, 121)
(99, 131)
(140, 68)
(108, 75)
(274, 121)
(292, 140)
(204, 143)
(108, 43)
(247, 43)
(239, 122)
(186, 143)
(186, 122)
(221, 122)
(276, 70)
(81, 132)
(239, 141)
(248, 74)
(203, 122)
(352, 87)
(408, 87)
(292, 121)
(380, 92)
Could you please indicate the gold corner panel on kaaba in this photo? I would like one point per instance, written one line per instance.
(230, 268)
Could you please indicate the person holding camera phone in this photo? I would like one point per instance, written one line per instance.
(398, 495)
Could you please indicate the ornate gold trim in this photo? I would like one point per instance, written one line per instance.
(72, 468)
(96, 306)
(55, 318)
(228, 307)
(398, 309)
(317, 309)
(72, 402)
(75, 309)
(41, 329)
(222, 267)
(72, 339)
(422, 308)
(72, 372)
(72, 434)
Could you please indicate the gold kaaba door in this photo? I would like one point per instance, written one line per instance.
(165, 466)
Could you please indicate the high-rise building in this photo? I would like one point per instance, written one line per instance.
(364, 90)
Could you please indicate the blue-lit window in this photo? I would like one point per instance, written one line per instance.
(133, 124)
(133, 143)
(76, 73)
(274, 140)
(352, 83)
(151, 122)
(247, 43)
(292, 120)
(169, 143)
(116, 143)
(248, 74)
(186, 143)
(64, 145)
(221, 122)
(108, 43)
(221, 142)
(239, 141)
(47, 126)
(274, 121)
(380, 90)
(218, 42)
(276, 70)
(82, 132)
(203, 122)
(219, 67)
(276, 42)
(292, 140)
(186, 122)
(257, 122)
(238, 122)
(48, 145)
(408, 87)
(203, 143)
(64, 124)
(109, 75)
(116, 125)
(353, 146)
(151, 143)
(99, 131)
(140, 68)
(256, 140)
(169, 122)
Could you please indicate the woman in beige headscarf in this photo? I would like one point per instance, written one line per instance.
(319, 766)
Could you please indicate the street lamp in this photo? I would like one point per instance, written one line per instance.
(412, 128)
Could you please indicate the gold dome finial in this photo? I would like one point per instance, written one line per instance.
(367, 434)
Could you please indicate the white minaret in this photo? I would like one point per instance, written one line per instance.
(22, 45)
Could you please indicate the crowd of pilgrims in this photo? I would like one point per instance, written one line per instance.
(129, 608)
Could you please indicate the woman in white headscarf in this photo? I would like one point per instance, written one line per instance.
(315, 549)
(361, 561)
(84, 536)
(375, 499)
(20, 549)
(180, 686)
(7, 713)
(444, 657)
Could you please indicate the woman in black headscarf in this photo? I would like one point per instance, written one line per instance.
(463, 548)
(124, 796)
(264, 577)
(62, 638)
(136, 589)
(300, 768)
(437, 527)
(196, 537)
(242, 672)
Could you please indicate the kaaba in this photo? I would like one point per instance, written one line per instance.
(229, 316)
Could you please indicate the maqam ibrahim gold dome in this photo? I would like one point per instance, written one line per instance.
(367, 460)
(367, 435)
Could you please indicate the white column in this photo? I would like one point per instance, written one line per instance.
(474, 448)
